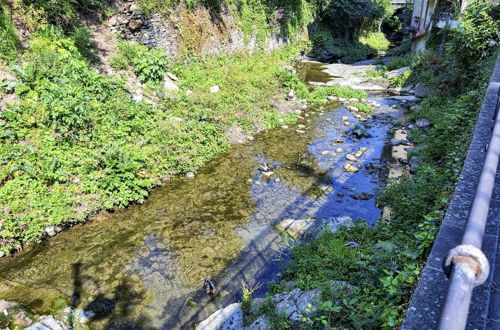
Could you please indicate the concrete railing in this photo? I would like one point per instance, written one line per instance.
(428, 299)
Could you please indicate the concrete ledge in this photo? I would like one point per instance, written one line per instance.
(426, 302)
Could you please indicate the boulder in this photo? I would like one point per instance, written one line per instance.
(230, 317)
(22, 320)
(4, 304)
(50, 230)
(396, 73)
(170, 85)
(47, 323)
(362, 196)
(261, 323)
(135, 24)
(421, 90)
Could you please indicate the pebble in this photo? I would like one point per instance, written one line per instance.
(351, 157)
(277, 180)
(300, 131)
(350, 168)
(190, 175)
(2, 254)
(325, 153)
(358, 154)
(339, 150)
(300, 126)
(257, 183)
(284, 126)
(363, 149)
(346, 123)
(345, 118)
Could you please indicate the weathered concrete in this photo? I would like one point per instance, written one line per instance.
(427, 300)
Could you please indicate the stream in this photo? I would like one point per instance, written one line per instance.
(144, 266)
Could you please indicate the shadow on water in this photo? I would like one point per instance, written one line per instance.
(107, 312)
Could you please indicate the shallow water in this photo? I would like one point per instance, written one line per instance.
(144, 266)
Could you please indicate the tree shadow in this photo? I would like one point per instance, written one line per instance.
(108, 312)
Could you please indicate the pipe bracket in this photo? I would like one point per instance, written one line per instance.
(472, 257)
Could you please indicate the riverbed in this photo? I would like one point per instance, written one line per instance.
(144, 266)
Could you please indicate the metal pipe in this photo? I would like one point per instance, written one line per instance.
(465, 269)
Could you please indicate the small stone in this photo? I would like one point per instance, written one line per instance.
(358, 154)
(290, 96)
(267, 175)
(284, 126)
(340, 194)
(2, 254)
(351, 157)
(346, 123)
(135, 24)
(214, 89)
(339, 150)
(362, 196)
(300, 131)
(350, 168)
(50, 230)
(363, 149)
(277, 180)
(395, 142)
(300, 126)
(257, 183)
(190, 175)
(325, 153)
(345, 118)
(304, 107)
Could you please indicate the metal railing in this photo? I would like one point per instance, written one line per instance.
(466, 264)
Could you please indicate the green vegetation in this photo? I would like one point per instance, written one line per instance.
(78, 143)
(364, 108)
(149, 65)
(376, 41)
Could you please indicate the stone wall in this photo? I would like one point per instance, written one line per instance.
(197, 30)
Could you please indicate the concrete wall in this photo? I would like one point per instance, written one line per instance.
(427, 300)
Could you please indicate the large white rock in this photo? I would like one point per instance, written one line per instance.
(396, 73)
(170, 85)
(228, 318)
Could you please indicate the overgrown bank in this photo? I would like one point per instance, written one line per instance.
(382, 263)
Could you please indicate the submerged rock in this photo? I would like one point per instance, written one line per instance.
(313, 227)
(362, 196)
(47, 323)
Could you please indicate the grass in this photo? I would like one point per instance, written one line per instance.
(376, 41)
(364, 108)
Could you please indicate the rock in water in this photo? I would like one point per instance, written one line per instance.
(230, 317)
(350, 168)
(350, 157)
(339, 150)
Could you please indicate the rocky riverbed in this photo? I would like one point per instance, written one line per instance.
(144, 266)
